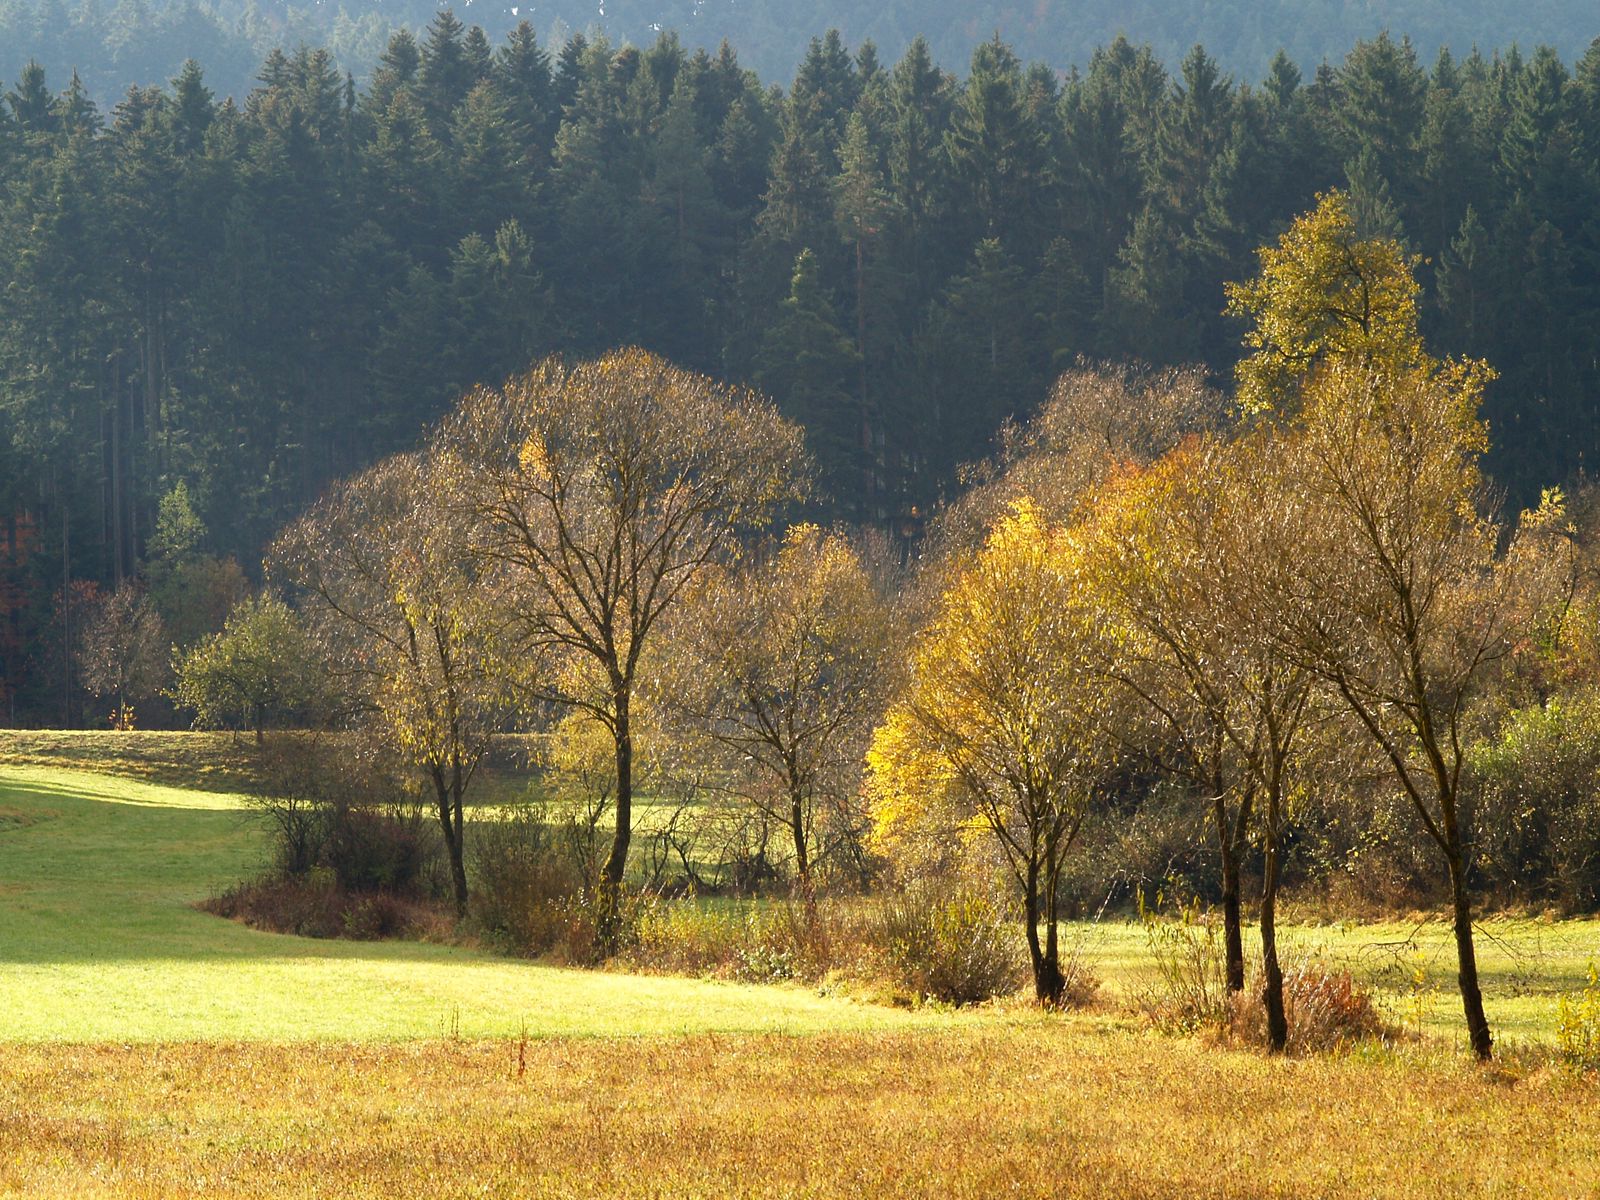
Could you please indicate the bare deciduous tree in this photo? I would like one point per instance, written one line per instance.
(125, 649)
(384, 576)
(775, 677)
(597, 493)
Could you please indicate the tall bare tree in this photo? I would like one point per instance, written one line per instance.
(597, 493)
(1181, 547)
(1392, 594)
(778, 668)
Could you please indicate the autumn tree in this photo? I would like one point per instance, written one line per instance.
(403, 626)
(1389, 593)
(776, 677)
(1185, 552)
(262, 663)
(1324, 293)
(125, 649)
(1003, 724)
(597, 493)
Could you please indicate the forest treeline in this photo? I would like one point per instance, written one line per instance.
(248, 300)
(132, 43)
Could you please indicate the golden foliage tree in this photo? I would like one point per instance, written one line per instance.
(1324, 293)
(1180, 549)
(1003, 722)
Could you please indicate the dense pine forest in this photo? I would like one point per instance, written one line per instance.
(214, 308)
(139, 42)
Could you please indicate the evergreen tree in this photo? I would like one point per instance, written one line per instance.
(807, 364)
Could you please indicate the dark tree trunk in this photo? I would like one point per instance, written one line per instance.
(1232, 925)
(1054, 985)
(797, 826)
(1272, 972)
(66, 609)
(1467, 959)
(617, 861)
(449, 796)
(1047, 982)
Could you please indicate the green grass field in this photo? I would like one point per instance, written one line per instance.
(99, 942)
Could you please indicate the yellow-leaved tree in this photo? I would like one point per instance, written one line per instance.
(1324, 293)
(1389, 589)
(1002, 727)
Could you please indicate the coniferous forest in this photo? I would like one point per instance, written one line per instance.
(213, 307)
(136, 42)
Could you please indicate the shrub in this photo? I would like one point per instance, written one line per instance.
(1326, 1009)
(952, 942)
(693, 938)
(1535, 806)
(527, 893)
(1578, 1026)
(314, 905)
(759, 942)
(331, 808)
(1190, 991)
(391, 849)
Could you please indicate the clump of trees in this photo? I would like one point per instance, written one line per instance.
(1329, 562)
(1303, 601)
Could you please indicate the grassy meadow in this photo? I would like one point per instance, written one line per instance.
(1079, 1108)
(150, 1049)
(100, 942)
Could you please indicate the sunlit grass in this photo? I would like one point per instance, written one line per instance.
(1525, 965)
(99, 941)
(1069, 1107)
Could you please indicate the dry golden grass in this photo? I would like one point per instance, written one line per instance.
(1067, 1107)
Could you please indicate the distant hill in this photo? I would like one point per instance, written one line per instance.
(135, 43)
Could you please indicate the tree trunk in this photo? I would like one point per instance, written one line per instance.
(1467, 959)
(617, 861)
(1054, 985)
(1232, 927)
(450, 824)
(66, 608)
(797, 826)
(1272, 973)
(1047, 984)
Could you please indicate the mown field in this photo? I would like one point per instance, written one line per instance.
(100, 942)
(153, 1050)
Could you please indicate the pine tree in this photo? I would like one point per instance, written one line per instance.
(807, 364)
(998, 155)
